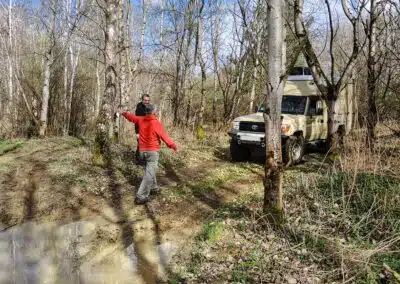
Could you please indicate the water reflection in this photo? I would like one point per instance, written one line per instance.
(80, 252)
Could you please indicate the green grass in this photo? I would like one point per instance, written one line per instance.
(219, 177)
(240, 270)
(7, 146)
(368, 201)
(373, 276)
(212, 232)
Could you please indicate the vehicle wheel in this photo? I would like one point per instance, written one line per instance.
(238, 153)
(293, 150)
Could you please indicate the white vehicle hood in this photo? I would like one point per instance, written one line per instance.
(254, 117)
(258, 117)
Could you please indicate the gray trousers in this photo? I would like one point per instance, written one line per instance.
(149, 180)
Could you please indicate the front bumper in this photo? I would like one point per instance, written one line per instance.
(248, 138)
(251, 138)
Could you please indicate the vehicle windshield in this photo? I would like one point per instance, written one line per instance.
(300, 71)
(294, 105)
(291, 105)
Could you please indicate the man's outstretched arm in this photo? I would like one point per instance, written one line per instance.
(165, 138)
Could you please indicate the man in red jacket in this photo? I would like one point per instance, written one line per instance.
(151, 132)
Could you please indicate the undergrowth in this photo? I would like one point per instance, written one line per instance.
(342, 224)
(8, 146)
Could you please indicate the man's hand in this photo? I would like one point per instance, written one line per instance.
(122, 108)
(174, 147)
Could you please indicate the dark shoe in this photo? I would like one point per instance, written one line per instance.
(141, 201)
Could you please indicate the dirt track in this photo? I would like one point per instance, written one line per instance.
(65, 221)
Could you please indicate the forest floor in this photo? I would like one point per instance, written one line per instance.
(64, 220)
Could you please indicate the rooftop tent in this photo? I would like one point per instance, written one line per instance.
(301, 61)
(300, 71)
(300, 88)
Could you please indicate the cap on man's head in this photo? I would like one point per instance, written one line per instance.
(150, 108)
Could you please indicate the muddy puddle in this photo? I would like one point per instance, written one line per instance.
(90, 251)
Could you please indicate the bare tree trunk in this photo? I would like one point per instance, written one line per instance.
(145, 4)
(98, 88)
(128, 53)
(331, 141)
(273, 191)
(123, 82)
(104, 125)
(259, 29)
(238, 87)
(255, 72)
(199, 43)
(214, 102)
(183, 42)
(10, 64)
(65, 93)
(189, 105)
(122, 100)
(163, 94)
(25, 99)
(371, 77)
(67, 4)
(74, 64)
(215, 47)
(45, 94)
(48, 61)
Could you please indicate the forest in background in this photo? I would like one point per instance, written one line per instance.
(69, 66)
(202, 62)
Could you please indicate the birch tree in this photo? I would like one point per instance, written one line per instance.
(273, 191)
(145, 9)
(215, 47)
(48, 61)
(104, 125)
(200, 56)
(72, 51)
(9, 110)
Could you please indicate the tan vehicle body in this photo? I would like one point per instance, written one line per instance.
(311, 125)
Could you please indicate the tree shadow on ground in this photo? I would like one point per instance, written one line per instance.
(223, 153)
(312, 163)
(314, 160)
(129, 168)
(67, 200)
(145, 269)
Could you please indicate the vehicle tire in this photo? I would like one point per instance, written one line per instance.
(238, 153)
(293, 150)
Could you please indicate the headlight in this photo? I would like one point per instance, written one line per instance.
(235, 125)
(285, 128)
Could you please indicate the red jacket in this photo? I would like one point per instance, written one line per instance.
(150, 132)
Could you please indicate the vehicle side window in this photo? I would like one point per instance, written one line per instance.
(312, 109)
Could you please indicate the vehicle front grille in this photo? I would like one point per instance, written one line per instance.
(252, 126)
